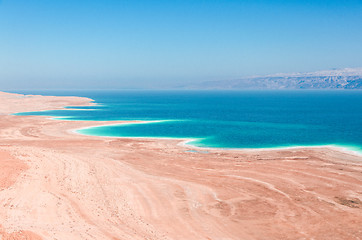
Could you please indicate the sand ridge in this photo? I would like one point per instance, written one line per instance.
(70, 186)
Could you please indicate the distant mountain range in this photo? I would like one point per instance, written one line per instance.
(348, 78)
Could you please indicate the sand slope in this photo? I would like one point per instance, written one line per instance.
(59, 185)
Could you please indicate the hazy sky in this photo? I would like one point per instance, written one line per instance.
(143, 43)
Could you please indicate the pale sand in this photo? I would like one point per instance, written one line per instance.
(55, 184)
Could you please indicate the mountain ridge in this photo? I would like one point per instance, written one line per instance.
(347, 78)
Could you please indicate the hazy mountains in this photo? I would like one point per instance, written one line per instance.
(348, 78)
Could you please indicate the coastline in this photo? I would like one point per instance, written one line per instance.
(183, 141)
(186, 141)
(78, 186)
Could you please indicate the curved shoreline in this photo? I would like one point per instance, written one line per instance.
(186, 141)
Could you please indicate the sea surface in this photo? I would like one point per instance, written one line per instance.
(225, 119)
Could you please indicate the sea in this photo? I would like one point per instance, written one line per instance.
(224, 119)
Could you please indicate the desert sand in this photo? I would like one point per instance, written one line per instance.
(56, 184)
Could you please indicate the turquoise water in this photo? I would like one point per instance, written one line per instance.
(244, 119)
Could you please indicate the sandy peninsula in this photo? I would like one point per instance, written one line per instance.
(55, 184)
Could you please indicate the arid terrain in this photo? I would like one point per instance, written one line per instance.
(56, 184)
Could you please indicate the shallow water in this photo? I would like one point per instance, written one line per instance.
(227, 119)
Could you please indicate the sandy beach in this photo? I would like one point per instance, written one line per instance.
(56, 184)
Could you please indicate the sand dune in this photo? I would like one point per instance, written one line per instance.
(56, 184)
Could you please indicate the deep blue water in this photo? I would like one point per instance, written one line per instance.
(227, 119)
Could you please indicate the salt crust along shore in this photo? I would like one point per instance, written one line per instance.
(55, 184)
(187, 142)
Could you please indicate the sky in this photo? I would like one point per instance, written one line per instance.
(117, 44)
